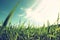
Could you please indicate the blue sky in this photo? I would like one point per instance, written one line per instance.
(7, 5)
(35, 11)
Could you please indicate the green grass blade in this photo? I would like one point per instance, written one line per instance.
(10, 14)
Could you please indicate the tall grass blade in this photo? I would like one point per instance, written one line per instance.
(10, 14)
(58, 19)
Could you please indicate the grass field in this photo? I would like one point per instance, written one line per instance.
(51, 32)
(30, 33)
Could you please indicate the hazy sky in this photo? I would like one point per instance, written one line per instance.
(35, 11)
(44, 11)
(7, 5)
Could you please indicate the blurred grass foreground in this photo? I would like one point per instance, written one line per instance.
(30, 33)
(51, 32)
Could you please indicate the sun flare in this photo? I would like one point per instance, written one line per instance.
(45, 10)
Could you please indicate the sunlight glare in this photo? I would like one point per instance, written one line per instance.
(45, 10)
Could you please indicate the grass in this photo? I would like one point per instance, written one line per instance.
(30, 33)
(10, 14)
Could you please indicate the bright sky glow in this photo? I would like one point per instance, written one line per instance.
(45, 10)
(35, 11)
